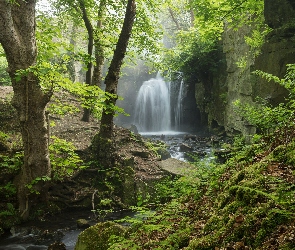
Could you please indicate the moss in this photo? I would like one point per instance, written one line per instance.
(285, 153)
(128, 186)
(99, 236)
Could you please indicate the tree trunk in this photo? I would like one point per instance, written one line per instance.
(17, 36)
(99, 50)
(88, 25)
(111, 81)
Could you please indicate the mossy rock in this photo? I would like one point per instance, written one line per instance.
(164, 153)
(82, 223)
(99, 236)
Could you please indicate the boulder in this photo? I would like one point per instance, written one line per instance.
(99, 236)
(142, 154)
(164, 153)
(185, 148)
(82, 223)
(177, 167)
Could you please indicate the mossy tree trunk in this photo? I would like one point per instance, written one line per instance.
(17, 36)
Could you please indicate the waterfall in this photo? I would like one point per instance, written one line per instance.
(178, 110)
(152, 108)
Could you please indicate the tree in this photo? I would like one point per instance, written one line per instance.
(17, 36)
(111, 81)
(84, 10)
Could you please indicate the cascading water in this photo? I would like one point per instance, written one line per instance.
(178, 110)
(152, 110)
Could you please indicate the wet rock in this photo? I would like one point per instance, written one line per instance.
(200, 153)
(57, 246)
(40, 248)
(82, 224)
(185, 148)
(190, 137)
(164, 153)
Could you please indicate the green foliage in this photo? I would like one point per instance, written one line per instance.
(104, 208)
(11, 162)
(57, 106)
(64, 159)
(265, 117)
(32, 184)
(244, 202)
(9, 217)
(197, 46)
(8, 190)
(4, 76)
(156, 146)
(276, 124)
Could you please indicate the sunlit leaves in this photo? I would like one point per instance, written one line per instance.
(4, 77)
(209, 20)
(64, 160)
(265, 117)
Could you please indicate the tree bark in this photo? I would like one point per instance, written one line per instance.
(17, 36)
(174, 19)
(88, 25)
(99, 50)
(111, 80)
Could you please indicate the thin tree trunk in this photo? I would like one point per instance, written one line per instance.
(17, 36)
(174, 19)
(111, 81)
(192, 14)
(99, 50)
(87, 111)
(71, 66)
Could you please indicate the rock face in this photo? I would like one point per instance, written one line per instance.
(216, 94)
(278, 13)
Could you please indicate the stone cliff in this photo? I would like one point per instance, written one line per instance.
(233, 80)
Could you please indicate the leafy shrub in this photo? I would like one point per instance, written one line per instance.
(64, 159)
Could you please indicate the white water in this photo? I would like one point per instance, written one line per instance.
(152, 107)
(178, 107)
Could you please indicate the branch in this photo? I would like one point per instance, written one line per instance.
(174, 19)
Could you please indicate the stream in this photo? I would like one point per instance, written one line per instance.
(38, 235)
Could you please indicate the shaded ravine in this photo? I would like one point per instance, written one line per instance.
(63, 227)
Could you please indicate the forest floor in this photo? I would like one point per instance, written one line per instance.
(246, 203)
(76, 191)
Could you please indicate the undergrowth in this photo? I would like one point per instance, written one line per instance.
(246, 203)
(242, 204)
